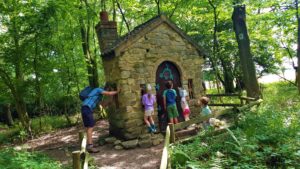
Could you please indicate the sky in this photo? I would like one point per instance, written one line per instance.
(289, 73)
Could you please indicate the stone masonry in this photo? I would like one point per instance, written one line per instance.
(137, 63)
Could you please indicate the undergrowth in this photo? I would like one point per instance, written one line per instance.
(264, 137)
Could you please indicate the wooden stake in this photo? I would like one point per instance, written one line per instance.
(165, 154)
(80, 135)
(172, 133)
(76, 160)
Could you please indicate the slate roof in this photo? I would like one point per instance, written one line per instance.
(137, 30)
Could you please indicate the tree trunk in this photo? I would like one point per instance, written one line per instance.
(247, 64)
(227, 80)
(10, 121)
(19, 100)
(73, 60)
(228, 77)
(90, 60)
(68, 93)
(19, 83)
(114, 10)
(158, 6)
(38, 89)
(298, 46)
(22, 113)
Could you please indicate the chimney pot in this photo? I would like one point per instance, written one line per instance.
(106, 32)
(103, 16)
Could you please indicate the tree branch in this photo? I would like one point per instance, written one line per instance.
(289, 52)
(7, 80)
(286, 80)
(173, 11)
(123, 15)
(158, 6)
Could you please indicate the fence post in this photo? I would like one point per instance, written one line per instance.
(241, 99)
(261, 90)
(164, 163)
(80, 135)
(76, 160)
(172, 133)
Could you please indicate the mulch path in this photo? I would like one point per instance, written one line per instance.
(60, 144)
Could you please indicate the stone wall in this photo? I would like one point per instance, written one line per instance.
(137, 65)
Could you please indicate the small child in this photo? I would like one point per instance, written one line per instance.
(205, 109)
(148, 101)
(204, 104)
(184, 105)
(169, 96)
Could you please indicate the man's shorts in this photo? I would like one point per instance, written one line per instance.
(172, 111)
(87, 116)
(149, 112)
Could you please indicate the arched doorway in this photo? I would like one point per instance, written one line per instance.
(166, 71)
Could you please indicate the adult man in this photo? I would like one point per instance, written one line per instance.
(87, 108)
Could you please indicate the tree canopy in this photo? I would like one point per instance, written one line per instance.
(49, 49)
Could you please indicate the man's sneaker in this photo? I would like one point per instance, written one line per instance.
(92, 150)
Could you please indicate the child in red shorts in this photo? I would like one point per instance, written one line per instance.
(184, 104)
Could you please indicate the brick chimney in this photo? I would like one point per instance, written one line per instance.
(106, 32)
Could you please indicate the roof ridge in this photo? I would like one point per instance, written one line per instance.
(140, 27)
(133, 31)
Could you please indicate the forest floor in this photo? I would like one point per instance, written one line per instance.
(60, 144)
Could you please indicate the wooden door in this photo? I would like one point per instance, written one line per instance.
(166, 71)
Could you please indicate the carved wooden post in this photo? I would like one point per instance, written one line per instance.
(172, 133)
(76, 160)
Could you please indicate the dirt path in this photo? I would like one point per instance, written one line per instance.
(60, 144)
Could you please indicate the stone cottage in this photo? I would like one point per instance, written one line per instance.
(152, 53)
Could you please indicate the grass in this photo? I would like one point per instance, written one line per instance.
(12, 159)
(224, 99)
(22, 159)
(266, 137)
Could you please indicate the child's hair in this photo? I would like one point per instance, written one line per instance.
(148, 90)
(169, 84)
(109, 86)
(182, 92)
(204, 100)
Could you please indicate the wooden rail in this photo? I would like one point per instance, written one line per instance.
(165, 154)
(226, 95)
(249, 105)
(240, 97)
(200, 118)
(76, 155)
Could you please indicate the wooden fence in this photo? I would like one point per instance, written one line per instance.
(225, 95)
(243, 99)
(81, 157)
(171, 129)
(165, 154)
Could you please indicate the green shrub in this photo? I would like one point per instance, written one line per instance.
(265, 137)
(8, 135)
(49, 123)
